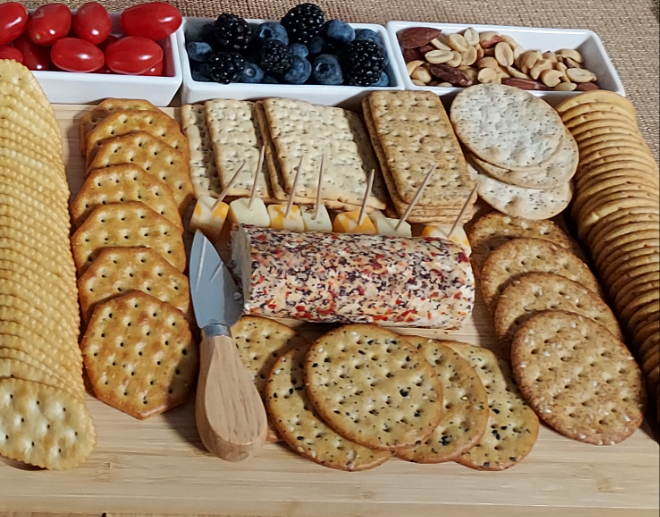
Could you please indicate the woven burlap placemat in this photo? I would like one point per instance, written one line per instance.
(628, 28)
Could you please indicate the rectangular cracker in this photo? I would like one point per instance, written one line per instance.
(203, 171)
(301, 129)
(415, 133)
(236, 138)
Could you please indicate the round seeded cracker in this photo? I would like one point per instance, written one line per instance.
(372, 387)
(294, 417)
(580, 380)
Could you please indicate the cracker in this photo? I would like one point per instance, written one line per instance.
(599, 107)
(414, 133)
(611, 138)
(580, 380)
(537, 292)
(301, 426)
(300, 129)
(512, 428)
(610, 205)
(13, 98)
(118, 271)
(523, 202)
(599, 96)
(41, 206)
(557, 173)
(494, 229)
(591, 197)
(402, 404)
(16, 177)
(521, 256)
(618, 235)
(149, 153)
(130, 225)
(600, 124)
(465, 418)
(57, 423)
(613, 119)
(611, 226)
(35, 214)
(607, 271)
(54, 171)
(28, 140)
(203, 171)
(506, 126)
(120, 184)
(19, 75)
(140, 355)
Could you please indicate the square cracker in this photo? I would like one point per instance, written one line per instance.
(203, 171)
(301, 129)
(236, 138)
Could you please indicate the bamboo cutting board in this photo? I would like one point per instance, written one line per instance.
(159, 466)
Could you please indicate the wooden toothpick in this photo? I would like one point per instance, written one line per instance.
(463, 210)
(417, 197)
(260, 165)
(289, 205)
(370, 185)
(226, 190)
(319, 189)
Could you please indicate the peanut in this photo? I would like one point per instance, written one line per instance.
(422, 74)
(504, 54)
(437, 57)
(413, 65)
(489, 76)
(471, 37)
(514, 72)
(571, 54)
(457, 42)
(539, 68)
(510, 41)
(578, 75)
(457, 59)
(469, 57)
(439, 44)
(489, 39)
(565, 87)
(418, 83)
(529, 59)
(488, 62)
(551, 56)
(551, 78)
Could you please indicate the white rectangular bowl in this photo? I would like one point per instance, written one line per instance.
(345, 96)
(585, 41)
(74, 88)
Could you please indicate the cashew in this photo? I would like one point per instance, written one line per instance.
(551, 78)
(457, 42)
(540, 67)
(413, 65)
(578, 75)
(561, 67)
(565, 87)
(571, 54)
(489, 76)
(517, 52)
(551, 56)
(437, 57)
(528, 60)
(570, 63)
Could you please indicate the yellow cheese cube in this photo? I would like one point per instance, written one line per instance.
(240, 213)
(459, 236)
(347, 222)
(293, 222)
(387, 226)
(322, 223)
(210, 222)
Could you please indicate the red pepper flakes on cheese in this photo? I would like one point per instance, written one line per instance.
(347, 278)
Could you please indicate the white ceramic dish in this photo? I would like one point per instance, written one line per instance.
(586, 41)
(72, 88)
(344, 96)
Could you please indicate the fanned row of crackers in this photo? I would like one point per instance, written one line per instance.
(565, 344)
(43, 417)
(617, 211)
(138, 348)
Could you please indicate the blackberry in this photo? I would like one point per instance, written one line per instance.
(303, 22)
(363, 63)
(231, 33)
(226, 67)
(275, 57)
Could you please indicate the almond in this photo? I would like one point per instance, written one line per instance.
(489, 39)
(426, 49)
(416, 37)
(457, 42)
(585, 87)
(451, 75)
(524, 84)
(437, 57)
(471, 36)
(504, 54)
(578, 75)
(412, 54)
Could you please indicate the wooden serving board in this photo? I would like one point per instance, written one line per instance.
(159, 466)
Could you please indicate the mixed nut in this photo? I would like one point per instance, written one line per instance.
(471, 57)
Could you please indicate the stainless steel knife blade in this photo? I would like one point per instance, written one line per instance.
(215, 296)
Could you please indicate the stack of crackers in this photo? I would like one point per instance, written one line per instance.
(617, 211)
(519, 151)
(411, 133)
(43, 418)
(138, 348)
(565, 344)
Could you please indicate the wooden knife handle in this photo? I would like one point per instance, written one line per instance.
(230, 415)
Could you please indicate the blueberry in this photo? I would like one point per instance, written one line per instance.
(299, 50)
(252, 74)
(200, 72)
(383, 81)
(337, 32)
(269, 79)
(327, 70)
(272, 30)
(203, 33)
(315, 46)
(368, 35)
(299, 72)
(199, 51)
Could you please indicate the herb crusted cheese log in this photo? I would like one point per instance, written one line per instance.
(342, 278)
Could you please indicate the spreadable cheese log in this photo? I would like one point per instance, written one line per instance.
(342, 278)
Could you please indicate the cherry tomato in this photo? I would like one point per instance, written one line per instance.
(108, 40)
(49, 23)
(156, 71)
(13, 18)
(133, 55)
(35, 57)
(154, 20)
(77, 55)
(7, 52)
(92, 23)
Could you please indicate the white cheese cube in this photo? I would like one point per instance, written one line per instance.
(240, 213)
(322, 223)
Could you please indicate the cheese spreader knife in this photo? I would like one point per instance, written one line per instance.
(230, 415)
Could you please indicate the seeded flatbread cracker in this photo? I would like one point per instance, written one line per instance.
(465, 418)
(513, 427)
(372, 387)
(302, 428)
(140, 355)
(580, 380)
(521, 256)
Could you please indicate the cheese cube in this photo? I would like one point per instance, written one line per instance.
(293, 222)
(210, 222)
(240, 213)
(347, 222)
(387, 226)
(459, 236)
(322, 223)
